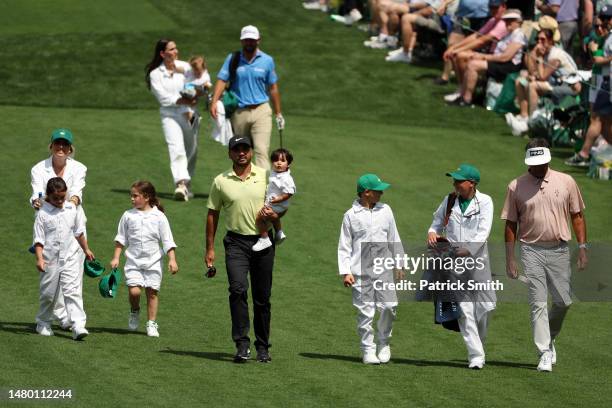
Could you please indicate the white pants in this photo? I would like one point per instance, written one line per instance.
(367, 301)
(473, 330)
(62, 277)
(182, 143)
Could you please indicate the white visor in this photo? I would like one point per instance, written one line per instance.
(537, 156)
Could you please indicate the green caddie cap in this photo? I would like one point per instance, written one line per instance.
(108, 284)
(61, 133)
(465, 172)
(371, 182)
(93, 268)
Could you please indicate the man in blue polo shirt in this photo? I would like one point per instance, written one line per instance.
(255, 83)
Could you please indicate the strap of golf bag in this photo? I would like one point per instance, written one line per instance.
(450, 202)
(233, 67)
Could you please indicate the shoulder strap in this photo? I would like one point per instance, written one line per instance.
(450, 202)
(233, 67)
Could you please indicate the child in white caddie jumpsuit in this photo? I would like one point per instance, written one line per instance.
(141, 230)
(281, 188)
(369, 221)
(197, 77)
(58, 232)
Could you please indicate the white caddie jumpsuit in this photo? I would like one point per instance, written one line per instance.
(361, 225)
(74, 177)
(55, 229)
(181, 138)
(471, 229)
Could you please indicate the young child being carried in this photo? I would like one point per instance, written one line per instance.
(142, 229)
(195, 78)
(59, 230)
(280, 190)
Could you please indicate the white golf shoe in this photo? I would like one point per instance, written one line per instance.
(44, 330)
(476, 364)
(152, 329)
(181, 193)
(452, 97)
(384, 353)
(545, 362)
(280, 237)
(79, 333)
(369, 357)
(261, 244)
(399, 57)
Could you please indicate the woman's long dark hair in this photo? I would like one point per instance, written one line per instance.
(148, 190)
(156, 60)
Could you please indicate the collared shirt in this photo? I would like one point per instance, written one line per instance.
(253, 78)
(496, 29)
(542, 207)
(74, 177)
(568, 9)
(56, 228)
(142, 232)
(166, 86)
(241, 199)
(280, 183)
(363, 225)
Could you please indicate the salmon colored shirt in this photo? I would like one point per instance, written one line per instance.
(542, 207)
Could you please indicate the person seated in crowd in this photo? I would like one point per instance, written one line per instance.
(484, 39)
(469, 17)
(506, 59)
(428, 17)
(550, 71)
(388, 14)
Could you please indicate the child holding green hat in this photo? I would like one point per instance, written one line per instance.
(372, 223)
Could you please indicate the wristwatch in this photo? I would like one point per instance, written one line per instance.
(583, 245)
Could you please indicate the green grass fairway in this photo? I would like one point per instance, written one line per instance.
(348, 112)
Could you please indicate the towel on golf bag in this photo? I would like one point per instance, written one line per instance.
(222, 127)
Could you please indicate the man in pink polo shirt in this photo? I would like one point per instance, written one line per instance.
(540, 203)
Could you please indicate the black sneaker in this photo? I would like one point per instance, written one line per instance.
(440, 81)
(263, 356)
(243, 353)
(461, 103)
(578, 161)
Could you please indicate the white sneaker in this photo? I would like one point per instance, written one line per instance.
(391, 41)
(384, 353)
(519, 125)
(476, 364)
(397, 51)
(66, 325)
(399, 57)
(152, 329)
(280, 237)
(44, 330)
(545, 362)
(261, 244)
(311, 5)
(369, 357)
(355, 16)
(452, 97)
(134, 321)
(79, 333)
(181, 193)
(509, 118)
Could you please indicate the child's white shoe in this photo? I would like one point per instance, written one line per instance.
(152, 329)
(369, 357)
(134, 321)
(79, 333)
(280, 237)
(262, 243)
(44, 330)
(384, 353)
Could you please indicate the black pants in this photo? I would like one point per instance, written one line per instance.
(240, 259)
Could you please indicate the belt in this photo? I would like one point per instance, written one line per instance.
(237, 235)
(253, 106)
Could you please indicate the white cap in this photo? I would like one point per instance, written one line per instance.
(249, 33)
(537, 156)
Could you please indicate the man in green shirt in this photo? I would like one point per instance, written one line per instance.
(240, 192)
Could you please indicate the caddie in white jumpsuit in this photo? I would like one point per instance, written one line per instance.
(56, 229)
(73, 173)
(371, 223)
(469, 225)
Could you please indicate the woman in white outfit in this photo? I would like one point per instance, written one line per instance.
(165, 77)
(467, 224)
(60, 164)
